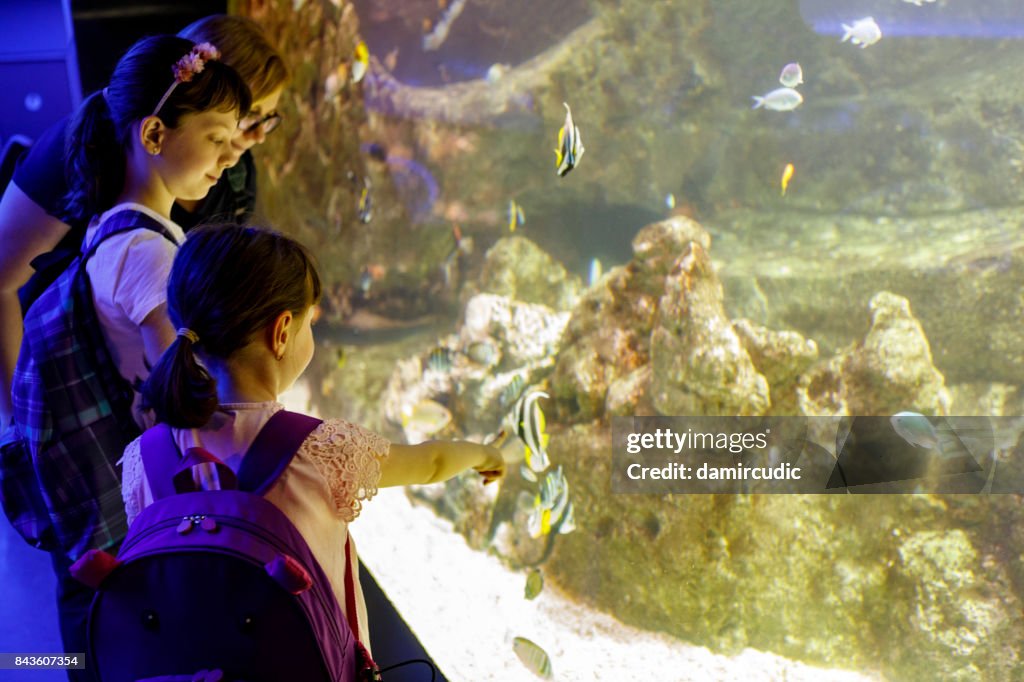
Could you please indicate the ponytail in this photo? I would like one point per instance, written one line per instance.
(95, 161)
(179, 390)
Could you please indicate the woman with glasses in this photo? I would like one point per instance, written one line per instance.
(41, 236)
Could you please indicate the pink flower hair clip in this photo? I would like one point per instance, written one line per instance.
(187, 67)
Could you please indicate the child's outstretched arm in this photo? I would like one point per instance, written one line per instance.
(439, 460)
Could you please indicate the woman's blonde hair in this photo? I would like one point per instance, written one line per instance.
(245, 48)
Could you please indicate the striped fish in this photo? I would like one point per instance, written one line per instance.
(440, 359)
(529, 422)
(570, 145)
(551, 506)
(533, 657)
(511, 391)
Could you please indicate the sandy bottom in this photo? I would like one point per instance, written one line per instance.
(466, 607)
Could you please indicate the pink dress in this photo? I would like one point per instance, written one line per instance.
(335, 470)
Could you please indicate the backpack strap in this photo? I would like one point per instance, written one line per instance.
(268, 456)
(125, 221)
(273, 450)
(160, 459)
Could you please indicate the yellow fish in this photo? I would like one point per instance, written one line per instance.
(516, 216)
(787, 175)
(361, 62)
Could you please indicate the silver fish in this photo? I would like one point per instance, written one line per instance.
(792, 75)
(864, 32)
(781, 99)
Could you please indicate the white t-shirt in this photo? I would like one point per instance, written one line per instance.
(334, 471)
(129, 274)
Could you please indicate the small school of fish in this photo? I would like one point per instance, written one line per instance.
(570, 145)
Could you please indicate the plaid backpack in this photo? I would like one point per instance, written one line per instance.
(59, 482)
(212, 576)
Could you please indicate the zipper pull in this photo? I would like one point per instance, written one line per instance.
(186, 525)
(208, 524)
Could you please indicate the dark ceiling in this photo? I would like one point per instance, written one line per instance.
(105, 29)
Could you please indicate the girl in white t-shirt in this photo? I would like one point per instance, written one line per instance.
(243, 300)
(159, 132)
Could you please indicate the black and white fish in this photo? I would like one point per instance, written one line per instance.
(529, 423)
(570, 145)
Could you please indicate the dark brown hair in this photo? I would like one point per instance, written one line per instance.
(98, 136)
(228, 284)
(245, 48)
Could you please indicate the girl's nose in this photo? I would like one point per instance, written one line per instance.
(230, 157)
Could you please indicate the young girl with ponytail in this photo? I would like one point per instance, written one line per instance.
(243, 300)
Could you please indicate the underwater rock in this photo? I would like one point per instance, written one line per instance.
(699, 366)
(930, 572)
(525, 340)
(889, 371)
(518, 269)
(892, 369)
(656, 250)
(781, 356)
(627, 395)
(662, 311)
(960, 616)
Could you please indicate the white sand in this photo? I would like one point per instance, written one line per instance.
(466, 607)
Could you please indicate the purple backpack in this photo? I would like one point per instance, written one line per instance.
(212, 576)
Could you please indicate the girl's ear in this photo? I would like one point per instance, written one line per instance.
(280, 334)
(152, 132)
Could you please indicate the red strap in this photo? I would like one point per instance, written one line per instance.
(350, 590)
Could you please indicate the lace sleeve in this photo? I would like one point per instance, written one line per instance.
(133, 480)
(348, 457)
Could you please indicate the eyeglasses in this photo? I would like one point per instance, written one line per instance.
(268, 123)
